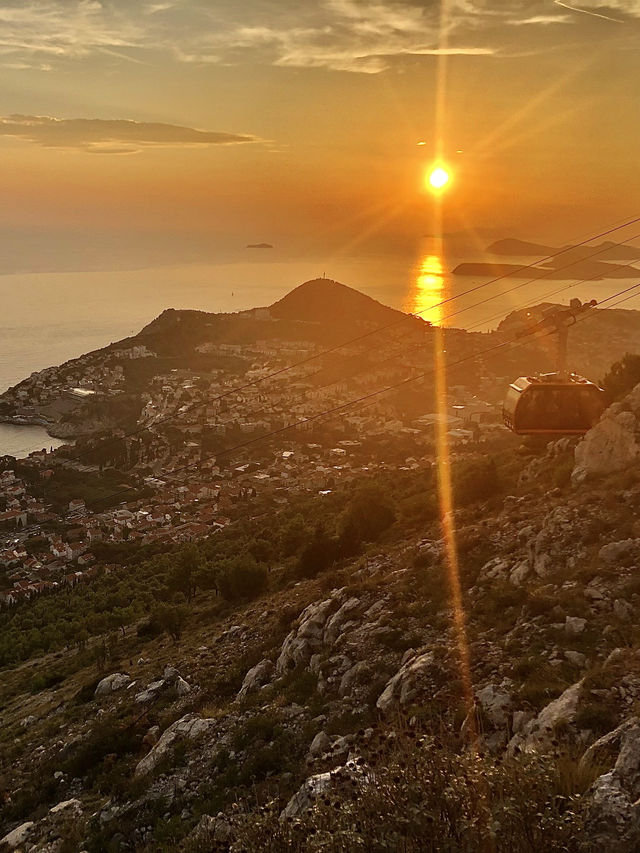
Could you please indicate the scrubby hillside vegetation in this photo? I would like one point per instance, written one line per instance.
(303, 681)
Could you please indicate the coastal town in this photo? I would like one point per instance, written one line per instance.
(205, 448)
(204, 419)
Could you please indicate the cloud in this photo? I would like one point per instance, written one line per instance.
(365, 36)
(541, 19)
(117, 136)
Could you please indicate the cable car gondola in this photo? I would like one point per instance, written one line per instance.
(559, 403)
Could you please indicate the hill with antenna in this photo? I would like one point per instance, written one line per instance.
(322, 300)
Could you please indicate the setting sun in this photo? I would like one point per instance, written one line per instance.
(438, 178)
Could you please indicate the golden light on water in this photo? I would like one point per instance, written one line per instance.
(428, 290)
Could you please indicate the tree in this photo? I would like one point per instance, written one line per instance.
(371, 513)
(318, 554)
(172, 618)
(241, 578)
(293, 535)
(623, 376)
(261, 550)
(184, 575)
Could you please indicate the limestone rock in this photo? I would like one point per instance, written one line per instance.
(256, 677)
(574, 625)
(605, 750)
(538, 732)
(337, 621)
(306, 794)
(16, 837)
(67, 807)
(623, 610)
(211, 831)
(321, 743)
(150, 693)
(152, 736)
(182, 687)
(358, 674)
(403, 686)
(495, 703)
(614, 820)
(576, 658)
(113, 682)
(190, 727)
(320, 784)
(615, 552)
(612, 444)
(307, 638)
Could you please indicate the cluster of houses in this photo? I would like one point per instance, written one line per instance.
(193, 493)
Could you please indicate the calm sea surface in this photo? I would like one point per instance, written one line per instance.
(48, 318)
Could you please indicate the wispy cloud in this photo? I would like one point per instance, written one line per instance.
(363, 36)
(536, 20)
(119, 136)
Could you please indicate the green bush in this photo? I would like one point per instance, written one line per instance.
(241, 579)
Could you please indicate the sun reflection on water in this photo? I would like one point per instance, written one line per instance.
(428, 290)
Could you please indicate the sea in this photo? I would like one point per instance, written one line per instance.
(48, 318)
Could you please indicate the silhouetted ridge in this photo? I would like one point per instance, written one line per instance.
(322, 300)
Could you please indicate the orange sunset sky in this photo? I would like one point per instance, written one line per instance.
(148, 133)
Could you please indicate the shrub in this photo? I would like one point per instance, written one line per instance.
(474, 479)
(371, 513)
(241, 579)
(422, 797)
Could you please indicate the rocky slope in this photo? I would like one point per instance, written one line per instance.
(254, 726)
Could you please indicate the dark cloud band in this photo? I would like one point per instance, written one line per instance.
(111, 136)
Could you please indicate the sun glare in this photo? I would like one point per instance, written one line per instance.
(438, 178)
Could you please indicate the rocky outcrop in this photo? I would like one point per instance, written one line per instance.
(302, 642)
(16, 838)
(257, 676)
(350, 774)
(604, 751)
(171, 679)
(405, 684)
(614, 442)
(614, 821)
(538, 733)
(112, 683)
(190, 727)
(496, 704)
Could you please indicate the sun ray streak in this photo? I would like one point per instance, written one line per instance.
(445, 485)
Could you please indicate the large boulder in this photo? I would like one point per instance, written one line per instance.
(539, 732)
(496, 704)
(337, 622)
(17, 836)
(405, 684)
(300, 645)
(613, 444)
(349, 775)
(256, 677)
(113, 682)
(67, 808)
(190, 727)
(604, 751)
(614, 816)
